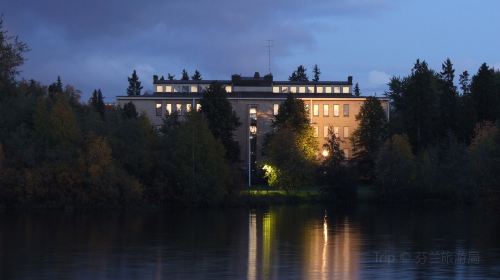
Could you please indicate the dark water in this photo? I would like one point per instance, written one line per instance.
(286, 242)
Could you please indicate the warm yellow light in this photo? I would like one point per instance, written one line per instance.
(325, 153)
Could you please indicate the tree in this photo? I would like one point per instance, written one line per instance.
(11, 57)
(464, 82)
(129, 111)
(291, 113)
(485, 95)
(97, 102)
(134, 85)
(316, 73)
(56, 87)
(185, 75)
(395, 166)
(299, 75)
(196, 76)
(291, 150)
(222, 120)
(449, 103)
(357, 92)
(371, 133)
(202, 174)
(170, 77)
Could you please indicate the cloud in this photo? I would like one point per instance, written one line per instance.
(378, 78)
(94, 42)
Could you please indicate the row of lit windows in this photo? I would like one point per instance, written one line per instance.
(180, 108)
(311, 89)
(326, 110)
(185, 88)
(336, 131)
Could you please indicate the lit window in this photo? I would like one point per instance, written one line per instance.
(328, 89)
(310, 89)
(346, 153)
(158, 108)
(336, 110)
(302, 89)
(325, 131)
(319, 89)
(336, 131)
(293, 89)
(276, 109)
(336, 89)
(188, 107)
(276, 89)
(316, 109)
(185, 88)
(229, 89)
(168, 108)
(345, 90)
(325, 110)
(198, 107)
(178, 107)
(194, 88)
(315, 131)
(284, 89)
(346, 132)
(346, 110)
(159, 88)
(168, 88)
(306, 106)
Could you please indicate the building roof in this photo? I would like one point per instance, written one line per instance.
(247, 95)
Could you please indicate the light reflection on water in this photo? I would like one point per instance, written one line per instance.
(287, 242)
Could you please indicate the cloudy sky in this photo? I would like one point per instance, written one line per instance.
(97, 43)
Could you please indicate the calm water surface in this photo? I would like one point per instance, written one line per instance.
(284, 242)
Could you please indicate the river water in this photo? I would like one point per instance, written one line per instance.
(278, 242)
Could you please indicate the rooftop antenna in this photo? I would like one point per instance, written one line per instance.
(269, 45)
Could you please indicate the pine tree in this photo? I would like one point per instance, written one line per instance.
(316, 72)
(129, 111)
(484, 94)
(448, 100)
(357, 92)
(464, 81)
(185, 75)
(134, 87)
(299, 75)
(196, 76)
(56, 87)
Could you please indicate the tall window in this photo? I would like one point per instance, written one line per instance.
(168, 108)
(346, 132)
(316, 110)
(325, 110)
(276, 109)
(188, 107)
(198, 107)
(158, 108)
(336, 110)
(346, 110)
(178, 108)
(316, 131)
(336, 131)
(252, 117)
(346, 153)
(325, 131)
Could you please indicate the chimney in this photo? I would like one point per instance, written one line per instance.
(349, 80)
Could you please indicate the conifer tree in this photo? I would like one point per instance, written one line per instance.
(134, 87)
(170, 77)
(299, 75)
(316, 72)
(196, 76)
(185, 75)
(357, 92)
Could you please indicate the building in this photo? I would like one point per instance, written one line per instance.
(256, 101)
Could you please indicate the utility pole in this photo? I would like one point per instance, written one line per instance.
(269, 45)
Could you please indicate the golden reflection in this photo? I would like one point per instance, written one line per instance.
(332, 251)
(252, 247)
(268, 232)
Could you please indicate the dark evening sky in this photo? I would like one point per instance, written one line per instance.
(97, 43)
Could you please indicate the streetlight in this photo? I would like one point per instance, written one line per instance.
(325, 153)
